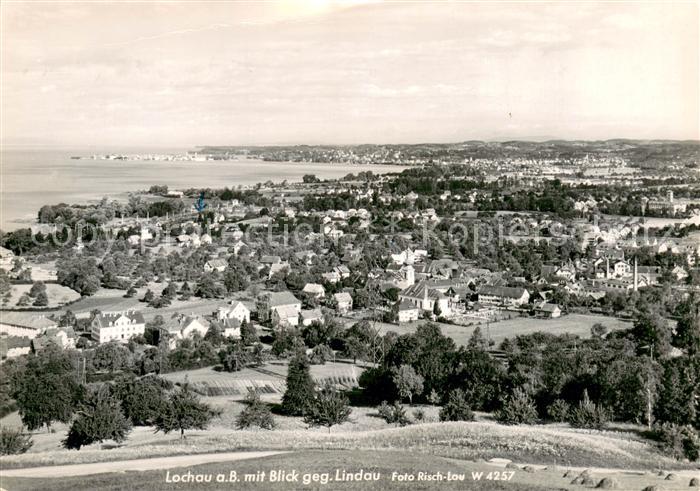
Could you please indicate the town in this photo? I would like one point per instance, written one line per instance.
(453, 291)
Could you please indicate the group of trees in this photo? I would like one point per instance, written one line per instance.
(47, 388)
(320, 406)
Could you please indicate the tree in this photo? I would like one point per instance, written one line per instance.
(408, 382)
(358, 340)
(234, 357)
(256, 413)
(208, 288)
(112, 356)
(652, 333)
(130, 293)
(679, 392)
(687, 334)
(456, 408)
(518, 408)
(328, 407)
(248, 333)
(477, 340)
(183, 411)
(393, 414)
(99, 418)
(588, 414)
(214, 335)
(68, 319)
(480, 377)
(148, 296)
(142, 399)
(310, 178)
(300, 386)
(80, 274)
(46, 389)
(42, 300)
(598, 330)
(37, 288)
(169, 291)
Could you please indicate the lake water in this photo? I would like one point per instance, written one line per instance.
(30, 179)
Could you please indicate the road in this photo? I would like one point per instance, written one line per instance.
(156, 463)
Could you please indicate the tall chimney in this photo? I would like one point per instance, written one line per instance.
(607, 267)
(636, 277)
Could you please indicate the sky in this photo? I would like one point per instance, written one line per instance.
(331, 72)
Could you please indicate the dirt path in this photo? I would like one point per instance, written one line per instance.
(133, 465)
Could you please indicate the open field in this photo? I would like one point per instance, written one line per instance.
(58, 295)
(381, 468)
(577, 324)
(268, 379)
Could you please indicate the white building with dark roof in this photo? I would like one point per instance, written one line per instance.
(117, 326)
(23, 324)
(278, 306)
(503, 295)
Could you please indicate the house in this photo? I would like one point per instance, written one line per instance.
(269, 260)
(7, 258)
(14, 346)
(343, 302)
(622, 269)
(239, 312)
(332, 277)
(408, 312)
(238, 246)
(183, 327)
(283, 305)
(428, 299)
(343, 271)
(215, 265)
(277, 268)
(308, 317)
(230, 328)
(548, 310)
(335, 234)
(25, 325)
(117, 326)
(63, 337)
(505, 296)
(679, 272)
(285, 316)
(315, 290)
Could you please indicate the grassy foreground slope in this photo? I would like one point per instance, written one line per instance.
(310, 461)
(381, 465)
(460, 440)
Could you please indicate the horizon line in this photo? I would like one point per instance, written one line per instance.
(258, 145)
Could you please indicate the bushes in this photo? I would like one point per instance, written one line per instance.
(519, 408)
(13, 441)
(393, 414)
(256, 413)
(457, 408)
(559, 411)
(588, 414)
(681, 441)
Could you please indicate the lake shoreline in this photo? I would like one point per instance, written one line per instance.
(34, 178)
